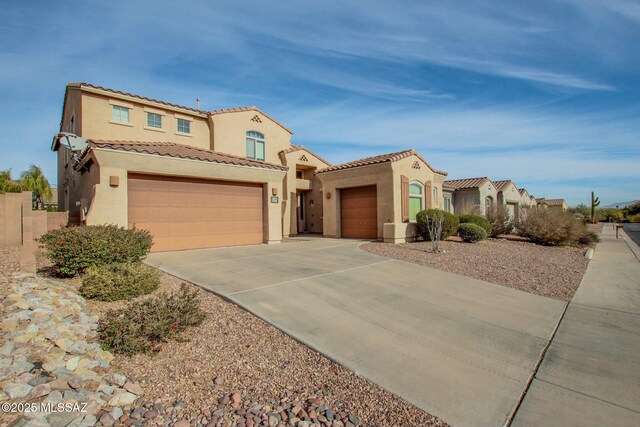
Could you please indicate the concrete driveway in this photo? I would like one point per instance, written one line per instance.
(459, 348)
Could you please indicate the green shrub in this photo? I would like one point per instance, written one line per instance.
(423, 218)
(554, 227)
(471, 232)
(113, 282)
(477, 220)
(500, 220)
(141, 326)
(634, 218)
(73, 249)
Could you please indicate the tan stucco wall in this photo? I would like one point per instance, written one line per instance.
(406, 167)
(97, 122)
(110, 204)
(510, 194)
(380, 175)
(525, 199)
(313, 197)
(230, 130)
(474, 199)
(11, 219)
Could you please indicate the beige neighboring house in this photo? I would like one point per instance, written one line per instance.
(533, 201)
(558, 204)
(199, 179)
(472, 195)
(378, 197)
(509, 196)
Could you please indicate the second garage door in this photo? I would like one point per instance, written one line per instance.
(359, 212)
(183, 213)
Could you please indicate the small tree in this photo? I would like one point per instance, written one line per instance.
(8, 185)
(34, 180)
(500, 220)
(434, 227)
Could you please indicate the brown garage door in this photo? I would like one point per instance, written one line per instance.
(190, 213)
(359, 212)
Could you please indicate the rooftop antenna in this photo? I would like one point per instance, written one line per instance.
(197, 103)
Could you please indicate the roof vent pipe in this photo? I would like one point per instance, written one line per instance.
(197, 103)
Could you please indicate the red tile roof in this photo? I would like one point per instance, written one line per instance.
(144, 98)
(551, 202)
(382, 158)
(171, 149)
(501, 185)
(132, 95)
(303, 148)
(460, 184)
(522, 191)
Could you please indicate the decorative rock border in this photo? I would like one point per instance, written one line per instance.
(51, 360)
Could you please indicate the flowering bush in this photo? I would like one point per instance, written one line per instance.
(114, 282)
(142, 326)
(73, 249)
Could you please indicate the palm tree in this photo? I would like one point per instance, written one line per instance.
(8, 185)
(34, 180)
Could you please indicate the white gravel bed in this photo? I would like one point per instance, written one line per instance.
(553, 272)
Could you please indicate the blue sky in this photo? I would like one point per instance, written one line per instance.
(546, 93)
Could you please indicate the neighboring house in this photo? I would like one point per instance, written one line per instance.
(199, 179)
(525, 197)
(509, 196)
(471, 195)
(379, 196)
(558, 204)
(533, 201)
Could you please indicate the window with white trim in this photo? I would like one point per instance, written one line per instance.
(154, 120)
(119, 114)
(416, 199)
(184, 126)
(255, 145)
(435, 197)
(447, 204)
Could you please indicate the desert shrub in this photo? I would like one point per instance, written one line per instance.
(471, 232)
(634, 218)
(113, 282)
(73, 249)
(141, 326)
(610, 215)
(477, 220)
(500, 220)
(554, 228)
(632, 210)
(423, 218)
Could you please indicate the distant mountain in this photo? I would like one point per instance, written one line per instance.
(619, 204)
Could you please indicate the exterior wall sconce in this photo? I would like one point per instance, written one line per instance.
(328, 196)
(274, 191)
(114, 181)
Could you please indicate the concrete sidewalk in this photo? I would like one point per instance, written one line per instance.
(590, 375)
(459, 348)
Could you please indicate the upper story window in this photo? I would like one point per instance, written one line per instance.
(416, 199)
(255, 145)
(154, 120)
(184, 126)
(120, 114)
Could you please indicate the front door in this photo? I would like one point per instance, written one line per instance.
(300, 214)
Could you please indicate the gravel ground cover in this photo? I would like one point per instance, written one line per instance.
(553, 272)
(236, 368)
(9, 263)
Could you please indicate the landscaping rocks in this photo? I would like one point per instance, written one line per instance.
(50, 355)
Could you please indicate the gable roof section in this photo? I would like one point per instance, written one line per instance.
(382, 158)
(501, 185)
(171, 149)
(252, 108)
(551, 202)
(294, 148)
(464, 183)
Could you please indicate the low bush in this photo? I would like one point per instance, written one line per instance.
(471, 233)
(634, 218)
(73, 249)
(424, 217)
(477, 220)
(500, 220)
(553, 227)
(142, 326)
(113, 282)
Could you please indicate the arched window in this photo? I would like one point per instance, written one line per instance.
(255, 145)
(416, 199)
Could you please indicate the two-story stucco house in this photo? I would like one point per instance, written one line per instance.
(197, 178)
